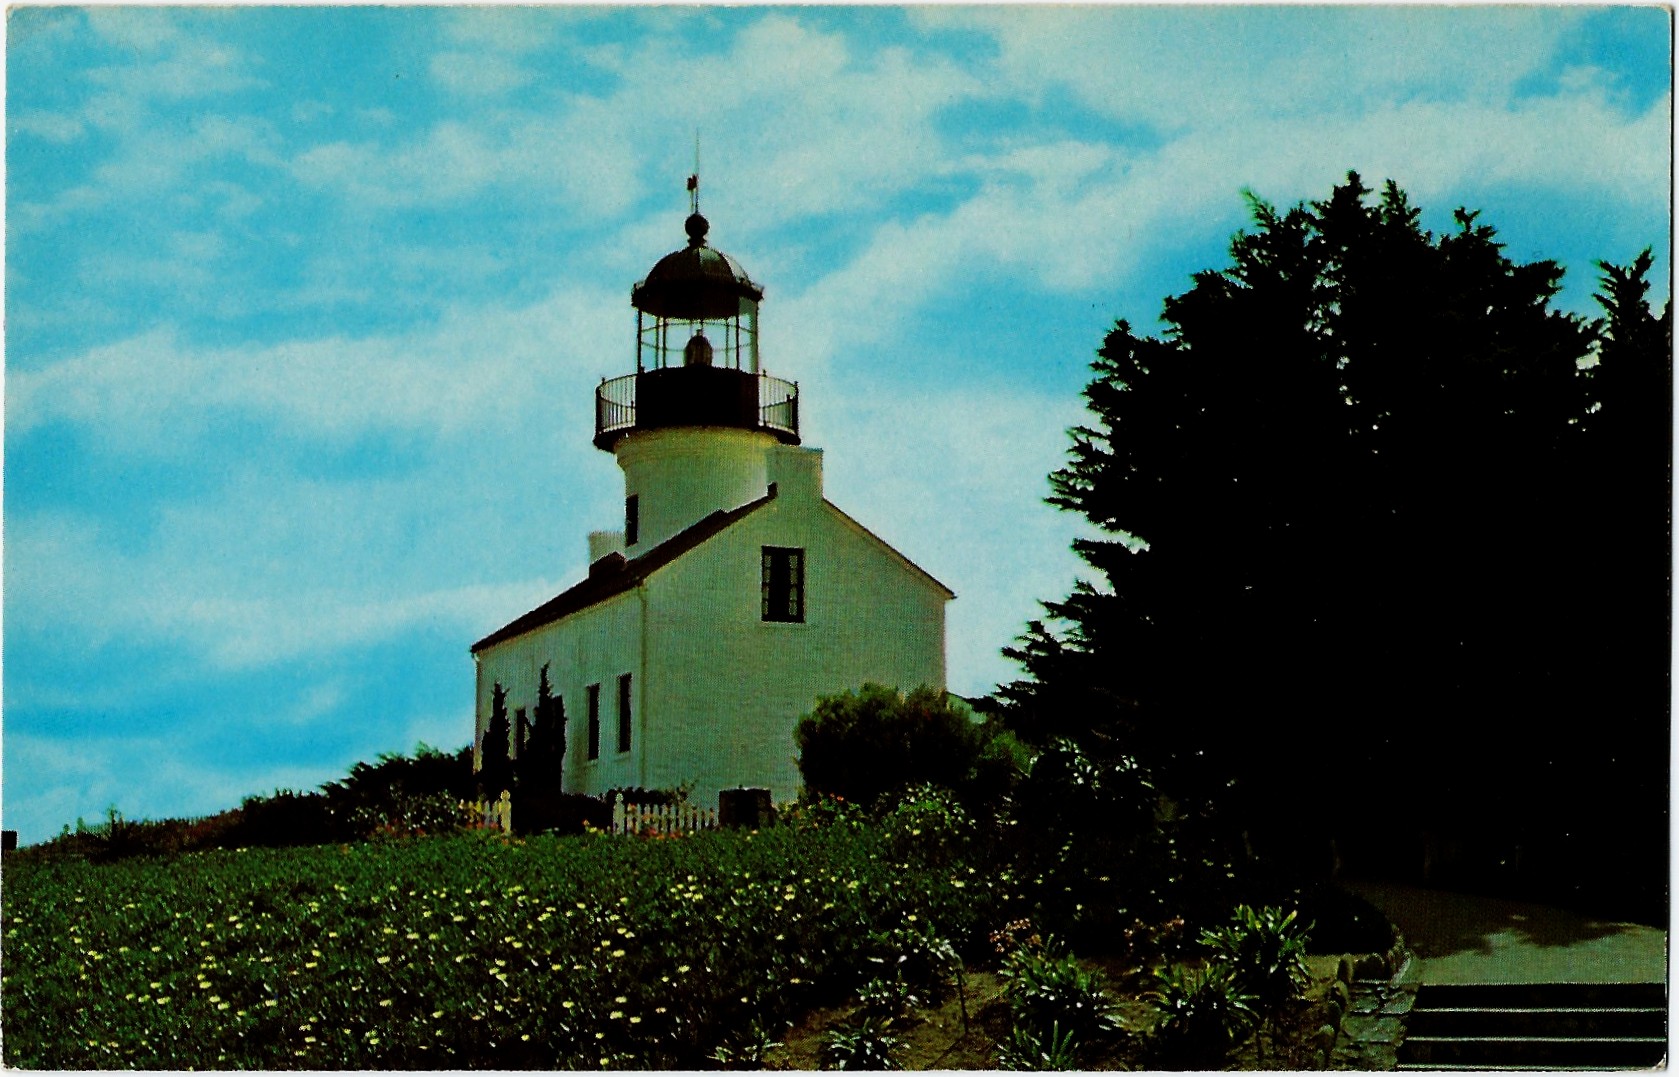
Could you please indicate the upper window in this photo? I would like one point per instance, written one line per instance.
(783, 582)
(624, 713)
(594, 721)
(632, 519)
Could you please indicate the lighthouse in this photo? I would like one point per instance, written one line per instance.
(734, 595)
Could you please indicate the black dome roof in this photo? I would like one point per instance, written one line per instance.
(695, 282)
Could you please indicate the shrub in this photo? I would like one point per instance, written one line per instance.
(930, 826)
(1048, 990)
(549, 811)
(1266, 950)
(746, 1051)
(1027, 1048)
(915, 954)
(1204, 1013)
(867, 745)
(286, 818)
(865, 1045)
(887, 997)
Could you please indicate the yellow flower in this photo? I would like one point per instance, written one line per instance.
(384, 1002)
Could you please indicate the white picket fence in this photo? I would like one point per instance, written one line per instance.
(492, 814)
(660, 820)
(644, 820)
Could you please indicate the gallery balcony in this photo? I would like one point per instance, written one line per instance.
(695, 396)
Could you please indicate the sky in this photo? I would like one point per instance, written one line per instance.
(305, 306)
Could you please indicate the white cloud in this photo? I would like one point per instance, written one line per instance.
(955, 480)
(194, 68)
(474, 368)
(478, 74)
(1184, 68)
(268, 572)
(52, 126)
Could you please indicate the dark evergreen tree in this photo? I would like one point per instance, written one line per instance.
(1350, 510)
(544, 755)
(495, 769)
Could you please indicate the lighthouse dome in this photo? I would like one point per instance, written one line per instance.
(695, 283)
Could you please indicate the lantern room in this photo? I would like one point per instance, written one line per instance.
(697, 307)
(696, 362)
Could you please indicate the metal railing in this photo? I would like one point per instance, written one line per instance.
(695, 396)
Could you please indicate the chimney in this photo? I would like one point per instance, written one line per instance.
(796, 472)
(602, 543)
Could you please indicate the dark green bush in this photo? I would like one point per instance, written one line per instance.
(1054, 1051)
(1204, 1014)
(1047, 989)
(930, 827)
(864, 1045)
(1266, 950)
(870, 745)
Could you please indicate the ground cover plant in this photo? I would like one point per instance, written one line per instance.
(462, 952)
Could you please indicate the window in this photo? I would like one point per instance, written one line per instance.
(632, 519)
(594, 721)
(783, 584)
(624, 713)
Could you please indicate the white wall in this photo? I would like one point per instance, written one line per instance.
(594, 646)
(682, 475)
(726, 688)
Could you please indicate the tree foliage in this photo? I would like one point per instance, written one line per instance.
(544, 754)
(867, 745)
(1369, 503)
(495, 767)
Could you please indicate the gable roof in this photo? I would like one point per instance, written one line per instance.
(889, 548)
(613, 574)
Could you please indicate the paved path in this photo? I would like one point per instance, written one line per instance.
(1464, 939)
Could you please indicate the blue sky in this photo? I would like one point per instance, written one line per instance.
(304, 306)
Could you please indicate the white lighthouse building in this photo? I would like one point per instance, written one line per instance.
(735, 595)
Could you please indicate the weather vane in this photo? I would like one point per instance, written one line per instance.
(694, 179)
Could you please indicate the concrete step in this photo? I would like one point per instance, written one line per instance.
(1539, 1021)
(1611, 995)
(1476, 1068)
(1532, 1052)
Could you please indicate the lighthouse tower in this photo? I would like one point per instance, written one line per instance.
(694, 426)
(734, 596)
